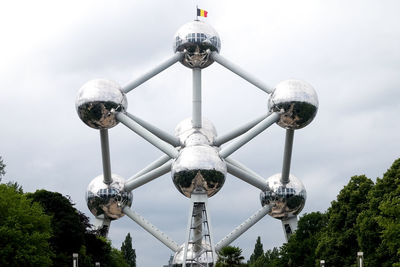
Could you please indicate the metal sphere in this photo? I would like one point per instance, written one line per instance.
(286, 200)
(200, 256)
(96, 101)
(198, 169)
(195, 136)
(107, 201)
(298, 101)
(197, 39)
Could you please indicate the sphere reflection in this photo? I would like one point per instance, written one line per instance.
(298, 101)
(197, 39)
(286, 200)
(107, 201)
(96, 101)
(198, 169)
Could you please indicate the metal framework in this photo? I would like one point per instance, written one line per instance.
(197, 159)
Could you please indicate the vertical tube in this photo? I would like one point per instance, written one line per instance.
(196, 108)
(287, 156)
(105, 154)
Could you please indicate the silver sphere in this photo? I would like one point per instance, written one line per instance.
(96, 101)
(198, 169)
(195, 136)
(107, 201)
(286, 200)
(298, 101)
(201, 256)
(197, 39)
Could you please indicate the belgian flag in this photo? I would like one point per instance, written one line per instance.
(202, 13)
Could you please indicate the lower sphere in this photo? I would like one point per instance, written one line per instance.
(286, 200)
(107, 200)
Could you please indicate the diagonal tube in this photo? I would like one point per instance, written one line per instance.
(170, 139)
(105, 155)
(246, 137)
(152, 139)
(219, 140)
(238, 231)
(155, 164)
(247, 177)
(243, 167)
(147, 177)
(287, 156)
(146, 225)
(151, 73)
(238, 71)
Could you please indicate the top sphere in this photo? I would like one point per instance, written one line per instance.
(298, 101)
(96, 101)
(196, 37)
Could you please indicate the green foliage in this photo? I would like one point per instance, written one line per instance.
(99, 248)
(16, 186)
(338, 243)
(24, 230)
(230, 256)
(68, 230)
(117, 259)
(258, 251)
(300, 249)
(379, 225)
(271, 258)
(72, 232)
(128, 252)
(2, 168)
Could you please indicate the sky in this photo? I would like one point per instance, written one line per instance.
(348, 50)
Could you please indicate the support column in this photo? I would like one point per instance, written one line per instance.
(199, 248)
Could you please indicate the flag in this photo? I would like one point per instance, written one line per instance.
(202, 13)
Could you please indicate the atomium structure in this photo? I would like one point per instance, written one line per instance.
(197, 158)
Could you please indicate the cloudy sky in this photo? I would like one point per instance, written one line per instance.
(348, 50)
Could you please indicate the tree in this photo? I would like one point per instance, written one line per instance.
(24, 230)
(338, 243)
(230, 256)
(300, 249)
(117, 259)
(2, 169)
(379, 226)
(68, 230)
(258, 251)
(128, 252)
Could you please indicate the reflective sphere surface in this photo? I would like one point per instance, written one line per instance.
(196, 37)
(107, 201)
(190, 136)
(198, 169)
(96, 100)
(287, 200)
(202, 257)
(298, 101)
